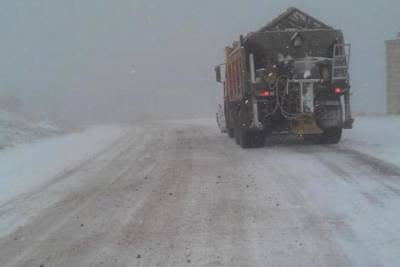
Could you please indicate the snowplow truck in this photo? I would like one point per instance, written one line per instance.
(289, 77)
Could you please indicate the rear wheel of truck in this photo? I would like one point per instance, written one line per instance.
(258, 139)
(230, 132)
(236, 133)
(242, 137)
(245, 139)
(332, 136)
(329, 136)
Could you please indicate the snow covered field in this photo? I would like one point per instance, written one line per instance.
(179, 193)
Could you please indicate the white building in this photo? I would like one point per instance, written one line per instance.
(393, 75)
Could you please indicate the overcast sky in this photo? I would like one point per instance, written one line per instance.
(111, 59)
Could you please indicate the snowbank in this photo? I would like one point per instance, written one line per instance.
(376, 136)
(27, 166)
(15, 130)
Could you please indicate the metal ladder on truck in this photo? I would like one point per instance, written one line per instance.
(340, 75)
(341, 63)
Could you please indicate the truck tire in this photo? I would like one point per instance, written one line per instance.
(236, 133)
(245, 139)
(332, 136)
(329, 136)
(242, 137)
(258, 139)
(230, 132)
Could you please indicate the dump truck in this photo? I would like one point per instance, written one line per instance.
(289, 77)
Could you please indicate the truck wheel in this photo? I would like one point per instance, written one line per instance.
(236, 134)
(258, 139)
(230, 132)
(329, 136)
(332, 136)
(245, 139)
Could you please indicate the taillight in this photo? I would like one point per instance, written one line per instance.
(265, 93)
(338, 90)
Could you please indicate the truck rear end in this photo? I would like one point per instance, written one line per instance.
(291, 76)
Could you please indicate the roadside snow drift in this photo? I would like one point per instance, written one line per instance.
(26, 166)
(377, 137)
(15, 130)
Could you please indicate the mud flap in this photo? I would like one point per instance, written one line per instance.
(305, 124)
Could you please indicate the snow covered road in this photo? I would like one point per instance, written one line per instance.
(181, 194)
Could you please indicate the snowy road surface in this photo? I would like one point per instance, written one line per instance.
(181, 194)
